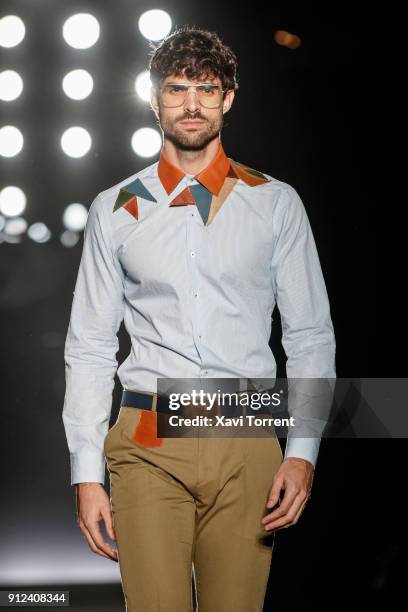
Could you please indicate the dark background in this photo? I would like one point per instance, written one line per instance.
(299, 115)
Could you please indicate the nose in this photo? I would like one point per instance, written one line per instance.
(191, 102)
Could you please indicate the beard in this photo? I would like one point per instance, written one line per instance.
(194, 140)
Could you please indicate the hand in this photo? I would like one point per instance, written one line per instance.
(295, 476)
(92, 505)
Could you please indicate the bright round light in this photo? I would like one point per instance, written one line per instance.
(11, 141)
(39, 232)
(143, 85)
(15, 227)
(146, 142)
(69, 239)
(12, 201)
(81, 31)
(77, 84)
(11, 85)
(155, 24)
(74, 217)
(76, 141)
(12, 31)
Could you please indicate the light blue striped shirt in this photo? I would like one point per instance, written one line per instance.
(196, 293)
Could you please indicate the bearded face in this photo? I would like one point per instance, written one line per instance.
(190, 126)
(190, 131)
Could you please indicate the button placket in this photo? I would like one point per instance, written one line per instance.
(194, 280)
(193, 253)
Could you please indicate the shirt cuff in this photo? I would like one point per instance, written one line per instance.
(303, 448)
(87, 467)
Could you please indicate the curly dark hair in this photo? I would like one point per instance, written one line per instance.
(196, 54)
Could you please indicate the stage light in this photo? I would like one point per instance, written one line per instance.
(76, 141)
(12, 201)
(39, 232)
(286, 39)
(11, 141)
(81, 31)
(155, 24)
(11, 85)
(74, 217)
(15, 227)
(69, 239)
(77, 84)
(12, 31)
(146, 142)
(143, 85)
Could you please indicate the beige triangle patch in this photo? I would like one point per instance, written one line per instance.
(218, 201)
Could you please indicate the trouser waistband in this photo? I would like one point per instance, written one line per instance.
(143, 399)
(155, 402)
(160, 403)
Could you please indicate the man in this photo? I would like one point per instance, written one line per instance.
(193, 252)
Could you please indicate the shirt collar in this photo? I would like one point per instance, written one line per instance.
(212, 177)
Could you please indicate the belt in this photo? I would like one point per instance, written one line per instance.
(147, 401)
(142, 399)
(151, 401)
(157, 402)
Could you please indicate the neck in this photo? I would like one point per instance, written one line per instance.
(191, 162)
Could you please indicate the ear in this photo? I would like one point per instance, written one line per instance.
(154, 102)
(228, 100)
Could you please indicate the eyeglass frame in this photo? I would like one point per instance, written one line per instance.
(195, 85)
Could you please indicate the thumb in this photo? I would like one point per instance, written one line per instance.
(275, 492)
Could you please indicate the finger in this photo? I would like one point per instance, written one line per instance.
(97, 538)
(284, 506)
(275, 492)
(301, 509)
(107, 517)
(289, 523)
(91, 543)
(288, 518)
(290, 511)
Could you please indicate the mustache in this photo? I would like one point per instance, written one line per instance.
(187, 116)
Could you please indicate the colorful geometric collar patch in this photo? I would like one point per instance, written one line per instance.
(197, 195)
(203, 195)
(250, 176)
(212, 176)
(128, 195)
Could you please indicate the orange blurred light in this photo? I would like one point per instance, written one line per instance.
(286, 39)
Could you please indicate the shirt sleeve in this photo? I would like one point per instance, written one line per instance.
(91, 346)
(307, 330)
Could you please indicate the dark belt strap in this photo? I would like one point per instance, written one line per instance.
(140, 399)
(156, 402)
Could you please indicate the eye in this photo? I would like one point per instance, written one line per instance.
(208, 90)
(176, 89)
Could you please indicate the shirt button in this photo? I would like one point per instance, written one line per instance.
(192, 254)
(205, 371)
(200, 337)
(196, 295)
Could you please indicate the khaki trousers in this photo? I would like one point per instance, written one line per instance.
(192, 504)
